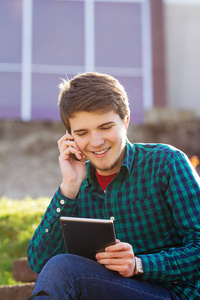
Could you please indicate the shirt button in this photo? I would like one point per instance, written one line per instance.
(62, 202)
(58, 210)
(47, 230)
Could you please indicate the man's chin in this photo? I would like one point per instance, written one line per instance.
(104, 168)
(106, 165)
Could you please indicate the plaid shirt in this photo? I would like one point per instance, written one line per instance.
(155, 200)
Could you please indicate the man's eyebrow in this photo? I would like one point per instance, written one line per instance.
(107, 123)
(79, 130)
(104, 124)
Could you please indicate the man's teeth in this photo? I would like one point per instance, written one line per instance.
(100, 152)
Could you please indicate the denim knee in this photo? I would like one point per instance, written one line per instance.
(68, 264)
(55, 260)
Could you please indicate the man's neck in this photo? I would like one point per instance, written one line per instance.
(104, 180)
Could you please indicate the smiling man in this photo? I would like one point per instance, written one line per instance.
(151, 190)
(101, 139)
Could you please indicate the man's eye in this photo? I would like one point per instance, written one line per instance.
(106, 128)
(81, 133)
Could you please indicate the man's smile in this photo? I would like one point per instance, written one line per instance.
(101, 153)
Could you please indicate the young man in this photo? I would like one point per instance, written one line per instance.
(151, 190)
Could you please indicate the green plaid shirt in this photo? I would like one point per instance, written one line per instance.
(155, 200)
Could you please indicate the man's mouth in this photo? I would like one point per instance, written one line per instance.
(101, 152)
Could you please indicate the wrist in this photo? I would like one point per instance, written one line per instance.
(69, 190)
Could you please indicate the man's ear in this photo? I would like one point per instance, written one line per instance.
(127, 120)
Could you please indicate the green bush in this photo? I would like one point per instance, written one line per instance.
(18, 221)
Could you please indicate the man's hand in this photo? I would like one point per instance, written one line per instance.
(72, 166)
(119, 257)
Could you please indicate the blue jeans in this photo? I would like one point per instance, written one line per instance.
(68, 276)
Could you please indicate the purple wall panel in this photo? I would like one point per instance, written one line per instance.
(118, 35)
(58, 32)
(10, 86)
(133, 87)
(45, 96)
(10, 31)
(58, 39)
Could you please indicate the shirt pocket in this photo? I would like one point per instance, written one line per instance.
(150, 214)
(150, 210)
(146, 223)
(148, 205)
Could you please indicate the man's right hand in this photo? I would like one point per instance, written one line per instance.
(72, 166)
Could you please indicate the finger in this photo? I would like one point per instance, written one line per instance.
(67, 141)
(119, 247)
(71, 150)
(119, 268)
(65, 137)
(115, 255)
(67, 144)
(116, 262)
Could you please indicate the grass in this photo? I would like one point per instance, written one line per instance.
(18, 221)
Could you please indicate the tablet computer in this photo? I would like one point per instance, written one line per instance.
(86, 237)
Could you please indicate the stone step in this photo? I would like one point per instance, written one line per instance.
(22, 271)
(16, 292)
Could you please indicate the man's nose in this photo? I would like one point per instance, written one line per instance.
(96, 139)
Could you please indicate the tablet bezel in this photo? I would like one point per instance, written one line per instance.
(92, 242)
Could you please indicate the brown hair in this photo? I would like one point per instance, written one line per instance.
(91, 92)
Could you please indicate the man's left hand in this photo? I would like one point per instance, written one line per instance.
(119, 257)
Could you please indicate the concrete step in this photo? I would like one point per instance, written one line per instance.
(16, 292)
(22, 272)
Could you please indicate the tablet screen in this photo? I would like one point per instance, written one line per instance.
(86, 237)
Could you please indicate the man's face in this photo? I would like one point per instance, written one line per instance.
(101, 138)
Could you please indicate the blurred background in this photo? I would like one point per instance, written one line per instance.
(151, 46)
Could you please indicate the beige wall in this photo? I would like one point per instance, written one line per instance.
(182, 52)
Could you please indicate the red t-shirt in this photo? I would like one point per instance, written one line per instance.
(104, 180)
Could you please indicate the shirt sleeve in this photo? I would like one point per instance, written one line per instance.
(183, 196)
(47, 240)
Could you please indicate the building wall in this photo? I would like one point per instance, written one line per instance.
(43, 40)
(182, 50)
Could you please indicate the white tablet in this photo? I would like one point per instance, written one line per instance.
(86, 237)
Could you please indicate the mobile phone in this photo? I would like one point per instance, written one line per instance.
(74, 156)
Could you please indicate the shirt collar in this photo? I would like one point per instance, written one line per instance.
(127, 163)
(129, 156)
